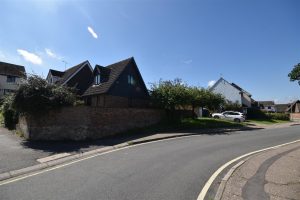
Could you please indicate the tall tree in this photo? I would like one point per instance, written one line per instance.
(169, 94)
(294, 75)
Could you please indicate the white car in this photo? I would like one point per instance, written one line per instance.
(230, 115)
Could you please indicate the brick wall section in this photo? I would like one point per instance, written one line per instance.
(295, 116)
(109, 101)
(84, 122)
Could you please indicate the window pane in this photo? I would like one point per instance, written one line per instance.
(11, 79)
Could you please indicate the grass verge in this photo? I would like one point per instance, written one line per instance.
(205, 123)
(188, 124)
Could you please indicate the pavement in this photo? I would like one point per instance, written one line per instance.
(15, 155)
(169, 169)
(274, 175)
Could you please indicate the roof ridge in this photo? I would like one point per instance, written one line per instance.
(125, 60)
(69, 72)
(116, 70)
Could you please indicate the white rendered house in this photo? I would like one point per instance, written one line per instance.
(232, 93)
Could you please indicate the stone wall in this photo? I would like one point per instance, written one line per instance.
(295, 116)
(85, 122)
(109, 101)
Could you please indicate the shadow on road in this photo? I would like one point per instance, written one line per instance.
(82, 146)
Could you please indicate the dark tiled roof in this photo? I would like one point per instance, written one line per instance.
(266, 103)
(69, 72)
(282, 107)
(240, 89)
(292, 105)
(56, 73)
(12, 69)
(115, 70)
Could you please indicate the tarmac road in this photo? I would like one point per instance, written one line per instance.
(172, 169)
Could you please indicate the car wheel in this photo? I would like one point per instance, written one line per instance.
(216, 117)
(237, 120)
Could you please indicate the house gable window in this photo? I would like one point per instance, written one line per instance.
(131, 80)
(97, 79)
(11, 79)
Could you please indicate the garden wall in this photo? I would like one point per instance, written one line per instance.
(295, 116)
(85, 122)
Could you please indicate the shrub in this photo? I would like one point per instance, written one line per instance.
(10, 115)
(255, 113)
(233, 106)
(36, 95)
(278, 116)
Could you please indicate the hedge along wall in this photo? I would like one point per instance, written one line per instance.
(85, 122)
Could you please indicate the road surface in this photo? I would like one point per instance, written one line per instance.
(172, 169)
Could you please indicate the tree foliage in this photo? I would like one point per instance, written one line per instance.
(233, 106)
(174, 93)
(169, 94)
(294, 75)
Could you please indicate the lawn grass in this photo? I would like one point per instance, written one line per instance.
(203, 123)
(266, 121)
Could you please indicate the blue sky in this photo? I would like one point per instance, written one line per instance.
(254, 43)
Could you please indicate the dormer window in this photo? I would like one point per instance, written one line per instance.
(97, 79)
(131, 80)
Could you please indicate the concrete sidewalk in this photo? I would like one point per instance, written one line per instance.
(274, 175)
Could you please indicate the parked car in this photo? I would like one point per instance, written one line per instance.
(230, 115)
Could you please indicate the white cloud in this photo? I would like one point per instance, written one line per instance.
(30, 57)
(187, 62)
(211, 83)
(51, 54)
(94, 34)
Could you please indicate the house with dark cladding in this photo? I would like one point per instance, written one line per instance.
(11, 76)
(117, 85)
(79, 77)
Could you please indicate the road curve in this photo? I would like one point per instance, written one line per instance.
(172, 169)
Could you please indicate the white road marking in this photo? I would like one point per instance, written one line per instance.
(203, 191)
(207, 185)
(82, 159)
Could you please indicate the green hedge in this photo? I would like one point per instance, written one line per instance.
(253, 113)
(278, 116)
